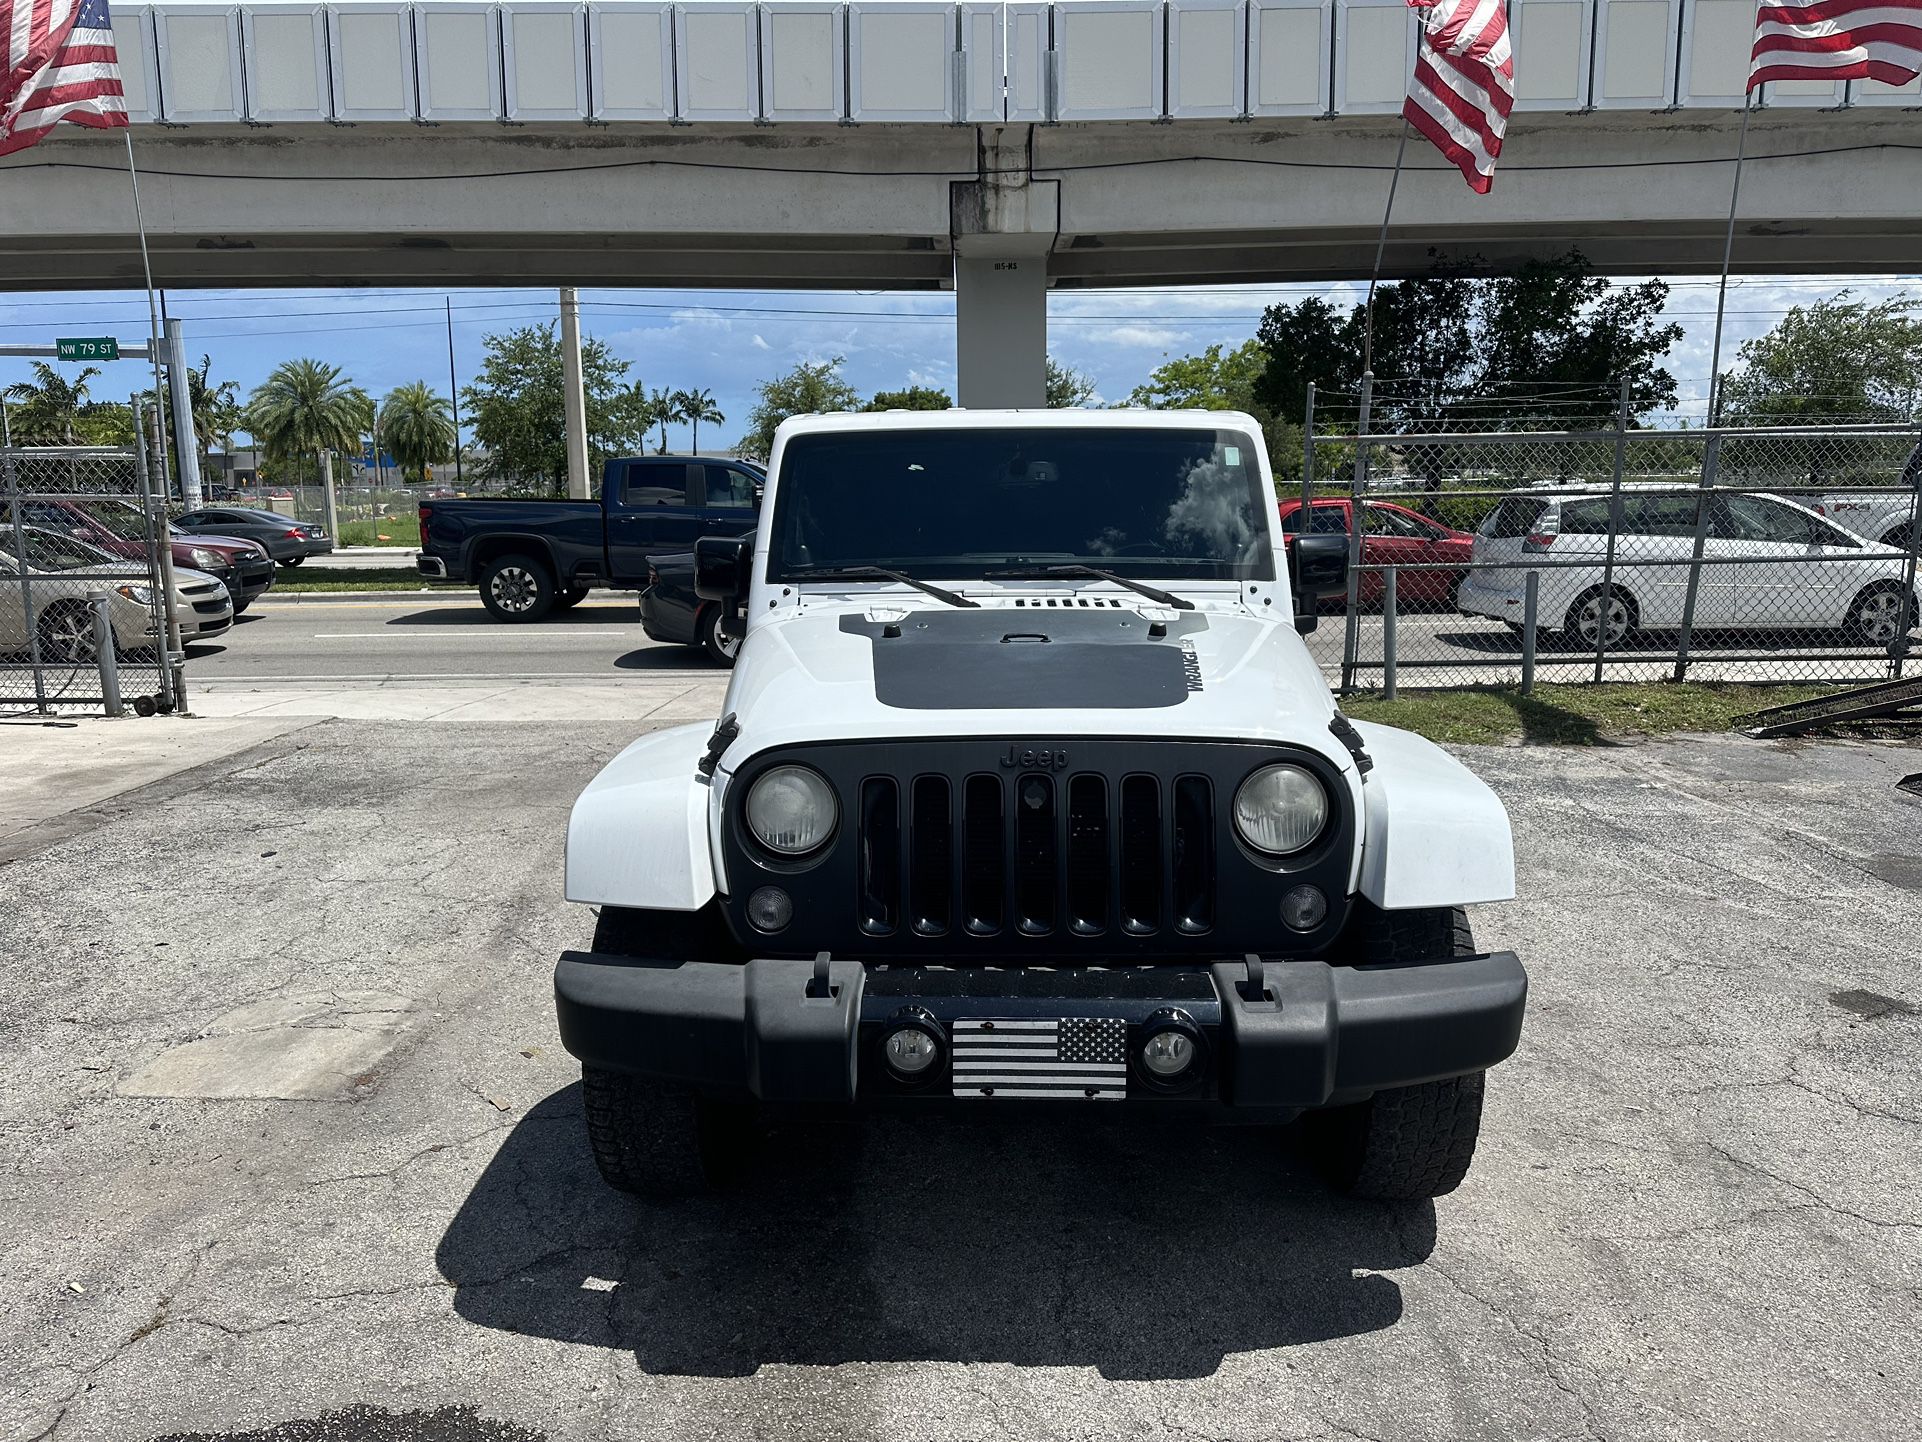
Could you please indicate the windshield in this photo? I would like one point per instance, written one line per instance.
(941, 503)
(50, 551)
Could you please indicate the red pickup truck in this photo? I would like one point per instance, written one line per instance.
(117, 527)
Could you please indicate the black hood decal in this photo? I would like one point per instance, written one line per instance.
(1004, 659)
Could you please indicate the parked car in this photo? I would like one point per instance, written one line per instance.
(672, 612)
(1022, 744)
(528, 558)
(63, 612)
(1885, 516)
(1391, 535)
(119, 528)
(1770, 565)
(288, 541)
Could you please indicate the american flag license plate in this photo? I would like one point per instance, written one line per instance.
(1081, 1058)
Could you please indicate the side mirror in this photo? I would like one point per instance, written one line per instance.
(723, 567)
(1320, 568)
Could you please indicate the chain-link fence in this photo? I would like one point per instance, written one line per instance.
(1606, 552)
(85, 578)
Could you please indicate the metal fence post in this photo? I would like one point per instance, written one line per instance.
(1351, 636)
(1711, 462)
(1388, 634)
(1905, 618)
(105, 652)
(9, 474)
(1614, 529)
(1307, 458)
(172, 659)
(1531, 600)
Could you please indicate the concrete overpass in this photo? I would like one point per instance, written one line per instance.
(999, 149)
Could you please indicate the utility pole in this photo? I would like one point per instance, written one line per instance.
(574, 394)
(453, 388)
(186, 450)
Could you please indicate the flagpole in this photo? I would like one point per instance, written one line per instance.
(1381, 248)
(1728, 251)
(153, 316)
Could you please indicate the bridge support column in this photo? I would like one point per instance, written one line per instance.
(1001, 330)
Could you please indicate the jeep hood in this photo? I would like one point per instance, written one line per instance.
(1033, 672)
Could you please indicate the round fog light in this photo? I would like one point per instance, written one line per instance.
(1304, 907)
(911, 1051)
(769, 909)
(1167, 1054)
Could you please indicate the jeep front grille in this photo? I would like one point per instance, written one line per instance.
(1036, 854)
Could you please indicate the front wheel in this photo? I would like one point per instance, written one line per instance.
(720, 647)
(67, 635)
(291, 561)
(516, 588)
(653, 1139)
(567, 600)
(1406, 1143)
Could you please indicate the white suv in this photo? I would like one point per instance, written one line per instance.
(1769, 564)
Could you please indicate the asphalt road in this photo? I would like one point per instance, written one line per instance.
(286, 1134)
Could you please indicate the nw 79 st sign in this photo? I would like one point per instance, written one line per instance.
(90, 348)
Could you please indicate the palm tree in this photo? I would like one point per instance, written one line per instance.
(416, 425)
(306, 407)
(666, 406)
(50, 404)
(217, 412)
(698, 406)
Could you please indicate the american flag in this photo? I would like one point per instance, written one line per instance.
(1464, 84)
(60, 66)
(1837, 40)
(1072, 1057)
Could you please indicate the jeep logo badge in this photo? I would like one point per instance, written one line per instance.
(1036, 758)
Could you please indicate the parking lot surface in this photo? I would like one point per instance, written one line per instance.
(288, 1135)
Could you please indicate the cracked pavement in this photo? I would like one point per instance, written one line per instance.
(1696, 1212)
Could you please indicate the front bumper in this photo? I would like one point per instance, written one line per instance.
(785, 1031)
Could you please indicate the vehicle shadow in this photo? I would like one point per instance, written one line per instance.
(478, 615)
(666, 656)
(1145, 1253)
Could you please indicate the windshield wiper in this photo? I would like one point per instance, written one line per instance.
(1140, 588)
(880, 573)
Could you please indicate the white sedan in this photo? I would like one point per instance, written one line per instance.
(62, 573)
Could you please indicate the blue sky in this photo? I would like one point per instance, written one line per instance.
(727, 341)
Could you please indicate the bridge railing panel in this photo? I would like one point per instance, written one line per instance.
(1289, 46)
(133, 35)
(902, 61)
(631, 60)
(1207, 59)
(201, 81)
(544, 60)
(717, 61)
(370, 45)
(1552, 44)
(1374, 55)
(1635, 53)
(457, 51)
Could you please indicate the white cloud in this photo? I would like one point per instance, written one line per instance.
(760, 344)
(1140, 337)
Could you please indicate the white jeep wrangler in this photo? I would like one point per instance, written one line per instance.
(1027, 794)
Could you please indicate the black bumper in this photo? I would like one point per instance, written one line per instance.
(1314, 1035)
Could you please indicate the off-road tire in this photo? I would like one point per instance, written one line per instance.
(653, 1139)
(516, 588)
(1404, 1144)
(720, 648)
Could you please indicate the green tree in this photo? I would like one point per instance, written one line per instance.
(664, 406)
(1841, 359)
(811, 388)
(305, 407)
(1451, 347)
(519, 414)
(914, 398)
(50, 409)
(1218, 379)
(1068, 388)
(697, 406)
(217, 410)
(417, 426)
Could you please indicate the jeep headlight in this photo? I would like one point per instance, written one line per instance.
(1280, 809)
(791, 810)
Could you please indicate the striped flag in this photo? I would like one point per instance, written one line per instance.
(1072, 1057)
(1837, 40)
(1464, 84)
(60, 65)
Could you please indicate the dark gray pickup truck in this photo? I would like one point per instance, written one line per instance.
(531, 558)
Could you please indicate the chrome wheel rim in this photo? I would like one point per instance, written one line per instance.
(70, 637)
(1879, 615)
(1588, 620)
(514, 589)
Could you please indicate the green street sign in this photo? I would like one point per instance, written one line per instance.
(92, 348)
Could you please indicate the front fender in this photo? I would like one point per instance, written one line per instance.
(1434, 834)
(638, 834)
